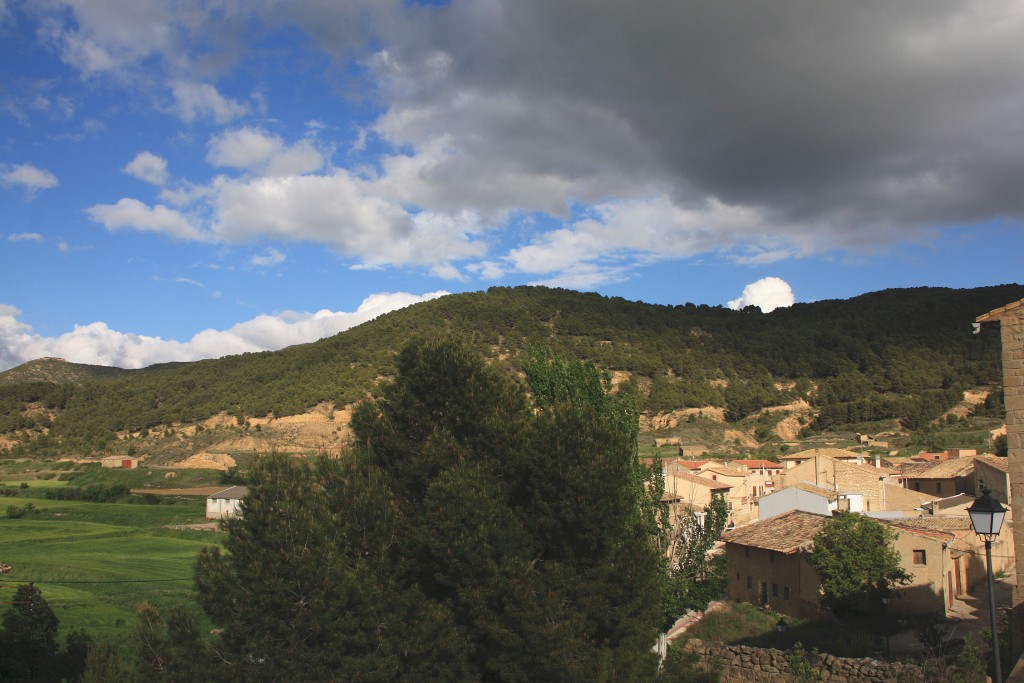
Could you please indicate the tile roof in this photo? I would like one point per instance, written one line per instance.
(807, 486)
(940, 469)
(701, 481)
(691, 464)
(998, 313)
(758, 464)
(837, 453)
(944, 528)
(727, 471)
(936, 523)
(787, 533)
(1001, 464)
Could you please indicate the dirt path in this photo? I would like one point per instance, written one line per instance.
(197, 491)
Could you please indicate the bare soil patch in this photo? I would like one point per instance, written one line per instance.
(203, 526)
(196, 491)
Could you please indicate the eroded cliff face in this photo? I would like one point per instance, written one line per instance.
(221, 441)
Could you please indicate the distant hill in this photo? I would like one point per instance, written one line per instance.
(904, 355)
(57, 371)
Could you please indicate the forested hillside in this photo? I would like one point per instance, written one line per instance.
(906, 354)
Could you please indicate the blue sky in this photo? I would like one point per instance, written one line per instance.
(193, 179)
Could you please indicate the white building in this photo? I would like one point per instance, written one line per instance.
(226, 503)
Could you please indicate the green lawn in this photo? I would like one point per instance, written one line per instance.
(95, 562)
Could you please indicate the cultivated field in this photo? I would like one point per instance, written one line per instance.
(95, 562)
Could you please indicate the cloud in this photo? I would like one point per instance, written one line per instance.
(132, 214)
(271, 257)
(25, 236)
(767, 294)
(243, 148)
(29, 177)
(254, 149)
(148, 167)
(650, 131)
(98, 344)
(201, 100)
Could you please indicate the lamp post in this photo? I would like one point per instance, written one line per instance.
(987, 519)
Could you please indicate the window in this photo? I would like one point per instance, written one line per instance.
(775, 590)
(920, 558)
(771, 556)
(938, 487)
(785, 592)
(750, 582)
(746, 551)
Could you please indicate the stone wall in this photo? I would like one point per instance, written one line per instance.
(1013, 394)
(766, 665)
(1011, 323)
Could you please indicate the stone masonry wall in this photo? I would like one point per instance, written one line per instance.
(765, 665)
(1012, 327)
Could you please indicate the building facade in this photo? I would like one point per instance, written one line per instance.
(1010, 319)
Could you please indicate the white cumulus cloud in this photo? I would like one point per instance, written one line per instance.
(201, 100)
(254, 149)
(767, 294)
(148, 167)
(98, 344)
(134, 215)
(29, 177)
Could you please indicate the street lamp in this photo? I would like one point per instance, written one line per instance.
(987, 519)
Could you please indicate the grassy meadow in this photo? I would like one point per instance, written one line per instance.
(95, 562)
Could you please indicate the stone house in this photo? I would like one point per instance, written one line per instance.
(764, 475)
(685, 491)
(671, 466)
(743, 492)
(993, 473)
(227, 503)
(946, 559)
(769, 562)
(878, 486)
(794, 459)
(940, 478)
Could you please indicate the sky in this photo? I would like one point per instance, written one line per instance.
(191, 179)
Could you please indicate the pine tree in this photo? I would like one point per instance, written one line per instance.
(28, 643)
(474, 537)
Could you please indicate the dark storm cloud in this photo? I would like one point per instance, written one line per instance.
(851, 117)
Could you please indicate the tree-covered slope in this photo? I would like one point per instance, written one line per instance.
(896, 353)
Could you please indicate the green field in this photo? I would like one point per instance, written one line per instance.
(95, 562)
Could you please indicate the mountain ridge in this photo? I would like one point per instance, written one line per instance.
(904, 354)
